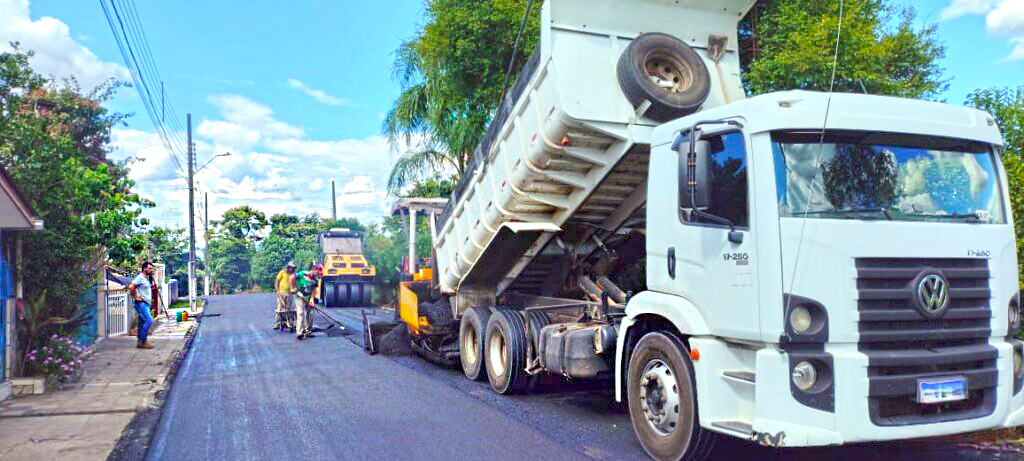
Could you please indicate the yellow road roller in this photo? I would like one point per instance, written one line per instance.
(348, 277)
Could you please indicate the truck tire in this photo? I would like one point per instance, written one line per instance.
(662, 400)
(439, 313)
(505, 352)
(664, 70)
(471, 342)
(538, 320)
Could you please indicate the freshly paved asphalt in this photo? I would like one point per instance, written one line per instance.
(248, 393)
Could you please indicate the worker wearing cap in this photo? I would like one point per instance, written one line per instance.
(308, 283)
(285, 288)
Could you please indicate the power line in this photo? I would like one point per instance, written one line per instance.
(131, 17)
(124, 40)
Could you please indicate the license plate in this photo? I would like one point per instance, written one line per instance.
(941, 390)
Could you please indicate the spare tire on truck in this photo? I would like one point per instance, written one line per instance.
(662, 69)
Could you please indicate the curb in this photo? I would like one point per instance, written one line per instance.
(133, 444)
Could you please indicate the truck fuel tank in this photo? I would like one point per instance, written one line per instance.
(577, 350)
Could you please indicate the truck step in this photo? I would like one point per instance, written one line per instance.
(746, 377)
(738, 427)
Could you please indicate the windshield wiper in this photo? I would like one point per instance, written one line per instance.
(973, 217)
(883, 211)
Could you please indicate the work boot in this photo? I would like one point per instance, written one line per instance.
(145, 345)
(298, 337)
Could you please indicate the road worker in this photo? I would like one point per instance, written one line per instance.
(285, 288)
(308, 283)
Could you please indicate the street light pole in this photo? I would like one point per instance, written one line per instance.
(211, 159)
(191, 219)
(206, 244)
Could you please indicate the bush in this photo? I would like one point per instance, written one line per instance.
(61, 358)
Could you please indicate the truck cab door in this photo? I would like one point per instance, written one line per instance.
(708, 263)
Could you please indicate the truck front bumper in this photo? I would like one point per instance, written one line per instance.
(780, 419)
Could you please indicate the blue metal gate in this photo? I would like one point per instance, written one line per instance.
(6, 291)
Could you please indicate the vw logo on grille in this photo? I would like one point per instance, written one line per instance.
(933, 294)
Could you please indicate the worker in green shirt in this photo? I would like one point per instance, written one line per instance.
(308, 283)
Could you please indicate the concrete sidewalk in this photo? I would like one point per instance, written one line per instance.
(83, 421)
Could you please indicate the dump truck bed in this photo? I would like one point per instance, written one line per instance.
(567, 150)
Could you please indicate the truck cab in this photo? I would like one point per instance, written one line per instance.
(840, 267)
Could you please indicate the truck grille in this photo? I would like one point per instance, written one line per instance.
(904, 346)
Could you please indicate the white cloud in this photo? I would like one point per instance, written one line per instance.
(56, 52)
(1018, 49)
(244, 112)
(1003, 18)
(958, 8)
(360, 193)
(1007, 19)
(318, 95)
(152, 160)
(274, 167)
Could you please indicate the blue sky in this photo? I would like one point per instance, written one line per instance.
(297, 92)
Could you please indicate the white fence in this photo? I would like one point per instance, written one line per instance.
(118, 312)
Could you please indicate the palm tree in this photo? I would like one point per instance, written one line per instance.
(421, 123)
(452, 75)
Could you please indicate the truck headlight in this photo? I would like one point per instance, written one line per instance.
(800, 319)
(805, 376)
(804, 320)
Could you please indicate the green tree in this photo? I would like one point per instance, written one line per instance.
(295, 239)
(243, 222)
(170, 247)
(273, 253)
(1007, 106)
(230, 263)
(54, 140)
(790, 44)
(452, 75)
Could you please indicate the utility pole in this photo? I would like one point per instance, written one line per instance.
(334, 203)
(206, 244)
(191, 220)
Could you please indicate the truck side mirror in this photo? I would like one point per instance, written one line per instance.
(695, 190)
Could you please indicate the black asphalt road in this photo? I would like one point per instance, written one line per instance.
(246, 392)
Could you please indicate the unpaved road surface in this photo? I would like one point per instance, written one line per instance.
(246, 392)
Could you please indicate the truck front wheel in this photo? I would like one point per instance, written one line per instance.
(471, 342)
(663, 400)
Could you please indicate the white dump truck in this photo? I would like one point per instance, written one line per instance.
(794, 269)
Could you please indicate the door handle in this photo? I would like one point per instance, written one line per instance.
(671, 262)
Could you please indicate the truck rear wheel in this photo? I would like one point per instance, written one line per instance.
(505, 352)
(538, 320)
(664, 70)
(663, 400)
(471, 342)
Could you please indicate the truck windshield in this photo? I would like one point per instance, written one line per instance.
(858, 175)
